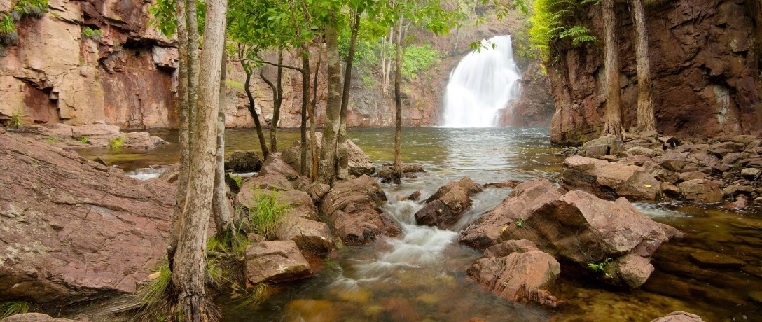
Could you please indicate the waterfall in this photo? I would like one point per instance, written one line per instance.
(481, 85)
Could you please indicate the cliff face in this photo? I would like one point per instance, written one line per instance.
(706, 59)
(89, 61)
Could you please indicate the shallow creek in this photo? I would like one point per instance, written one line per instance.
(421, 275)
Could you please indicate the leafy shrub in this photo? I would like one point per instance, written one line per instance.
(116, 143)
(84, 139)
(94, 34)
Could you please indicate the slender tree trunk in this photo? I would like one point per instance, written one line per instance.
(253, 109)
(277, 101)
(220, 199)
(613, 117)
(313, 123)
(645, 113)
(333, 104)
(343, 156)
(189, 271)
(183, 106)
(305, 106)
(398, 108)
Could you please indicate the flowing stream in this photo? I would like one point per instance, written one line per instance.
(482, 85)
(420, 276)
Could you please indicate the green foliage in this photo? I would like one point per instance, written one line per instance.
(94, 34)
(267, 215)
(7, 26)
(163, 16)
(34, 8)
(157, 289)
(22, 9)
(52, 140)
(17, 119)
(520, 223)
(418, 58)
(84, 139)
(600, 266)
(234, 241)
(12, 308)
(237, 179)
(549, 22)
(116, 143)
(233, 84)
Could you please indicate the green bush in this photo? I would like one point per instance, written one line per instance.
(94, 34)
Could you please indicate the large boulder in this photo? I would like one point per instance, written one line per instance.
(679, 316)
(445, 207)
(580, 228)
(73, 229)
(518, 271)
(701, 190)
(609, 180)
(352, 210)
(274, 165)
(604, 145)
(275, 261)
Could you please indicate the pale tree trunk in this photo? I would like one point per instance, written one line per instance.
(305, 106)
(333, 104)
(343, 157)
(189, 271)
(398, 108)
(220, 200)
(253, 109)
(183, 107)
(313, 123)
(277, 102)
(645, 113)
(613, 115)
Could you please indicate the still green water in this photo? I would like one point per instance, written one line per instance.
(421, 275)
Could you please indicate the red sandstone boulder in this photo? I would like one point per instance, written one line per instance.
(445, 207)
(275, 165)
(516, 270)
(352, 210)
(73, 229)
(275, 261)
(34, 317)
(701, 190)
(679, 316)
(609, 180)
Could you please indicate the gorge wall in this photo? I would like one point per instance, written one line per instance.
(101, 61)
(706, 60)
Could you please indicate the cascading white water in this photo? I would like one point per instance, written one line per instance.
(481, 85)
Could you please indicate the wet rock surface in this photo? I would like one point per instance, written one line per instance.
(275, 261)
(352, 210)
(75, 229)
(445, 207)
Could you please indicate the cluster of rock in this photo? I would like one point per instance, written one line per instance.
(539, 226)
(98, 134)
(654, 168)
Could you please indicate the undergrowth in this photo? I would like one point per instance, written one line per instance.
(12, 308)
(267, 215)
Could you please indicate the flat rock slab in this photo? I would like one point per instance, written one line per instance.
(71, 229)
(275, 261)
(712, 259)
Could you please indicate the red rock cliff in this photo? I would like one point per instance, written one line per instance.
(706, 60)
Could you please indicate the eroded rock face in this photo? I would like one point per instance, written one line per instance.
(352, 210)
(74, 229)
(575, 226)
(445, 207)
(516, 270)
(706, 77)
(275, 261)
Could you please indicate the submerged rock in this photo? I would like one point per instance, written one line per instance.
(518, 271)
(74, 229)
(275, 261)
(445, 207)
(352, 210)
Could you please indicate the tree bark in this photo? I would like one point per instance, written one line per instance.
(313, 123)
(189, 271)
(333, 104)
(220, 200)
(277, 101)
(343, 156)
(183, 107)
(398, 108)
(253, 109)
(613, 115)
(305, 106)
(645, 112)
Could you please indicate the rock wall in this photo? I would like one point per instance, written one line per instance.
(706, 59)
(121, 75)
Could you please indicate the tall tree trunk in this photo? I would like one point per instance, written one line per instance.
(613, 115)
(253, 109)
(333, 104)
(313, 123)
(343, 156)
(189, 271)
(183, 106)
(305, 106)
(398, 108)
(277, 89)
(220, 199)
(645, 113)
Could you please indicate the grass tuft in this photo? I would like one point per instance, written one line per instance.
(267, 216)
(12, 308)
